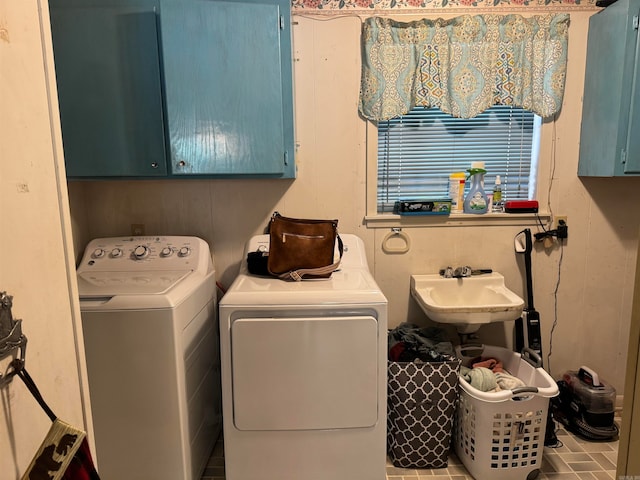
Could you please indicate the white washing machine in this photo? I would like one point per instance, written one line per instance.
(304, 374)
(148, 308)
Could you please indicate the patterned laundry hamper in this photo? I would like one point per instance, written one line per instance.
(500, 435)
(421, 406)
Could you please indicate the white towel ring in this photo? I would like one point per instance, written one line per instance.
(395, 250)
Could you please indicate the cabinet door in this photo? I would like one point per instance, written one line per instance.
(632, 164)
(224, 88)
(109, 89)
(608, 93)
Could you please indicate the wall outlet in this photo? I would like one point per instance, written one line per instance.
(137, 229)
(556, 221)
(561, 226)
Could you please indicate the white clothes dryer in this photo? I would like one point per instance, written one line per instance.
(304, 374)
(148, 307)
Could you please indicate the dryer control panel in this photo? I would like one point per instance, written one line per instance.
(146, 253)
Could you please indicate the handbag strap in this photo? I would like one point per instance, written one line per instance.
(33, 389)
(297, 275)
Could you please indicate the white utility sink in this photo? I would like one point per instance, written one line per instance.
(467, 303)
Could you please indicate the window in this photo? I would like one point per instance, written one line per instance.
(418, 151)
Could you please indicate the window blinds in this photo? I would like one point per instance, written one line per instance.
(418, 151)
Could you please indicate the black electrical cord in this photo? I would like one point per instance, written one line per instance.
(541, 224)
(555, 306)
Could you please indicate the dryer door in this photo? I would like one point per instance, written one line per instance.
(305, 373)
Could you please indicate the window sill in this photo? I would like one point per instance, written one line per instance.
(457, 220)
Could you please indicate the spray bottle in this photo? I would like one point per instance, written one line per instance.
(498, 200)
(476, 200)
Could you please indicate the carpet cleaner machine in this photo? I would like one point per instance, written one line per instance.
(585, 404)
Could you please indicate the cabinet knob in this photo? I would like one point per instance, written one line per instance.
(154, 164)
(182, 163)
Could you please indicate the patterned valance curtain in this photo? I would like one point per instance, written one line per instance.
(463, 65)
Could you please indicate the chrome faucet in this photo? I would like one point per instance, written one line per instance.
(459, 272)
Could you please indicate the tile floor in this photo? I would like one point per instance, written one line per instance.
(576, 459)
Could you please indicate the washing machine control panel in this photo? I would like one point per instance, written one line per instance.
(173, 253)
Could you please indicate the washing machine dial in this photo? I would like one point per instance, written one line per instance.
(184, 252)
(140, 252)
(166, 252)
(116, 253)
(98, 253)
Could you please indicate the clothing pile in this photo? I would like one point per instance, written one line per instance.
(411, 343)
(488, 375)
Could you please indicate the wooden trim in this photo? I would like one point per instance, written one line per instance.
(628, 462)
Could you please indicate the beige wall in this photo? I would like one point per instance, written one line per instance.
(597, 272)
(35, 237)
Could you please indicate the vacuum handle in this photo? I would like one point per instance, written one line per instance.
(524, 244)
(527, 267)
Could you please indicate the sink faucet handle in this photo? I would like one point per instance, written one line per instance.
(447, 272)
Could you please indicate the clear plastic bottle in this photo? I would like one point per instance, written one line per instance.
(476, 200)
(498, 197)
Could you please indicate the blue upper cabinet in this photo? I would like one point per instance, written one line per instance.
(175, 88)
(223, 80)
(609, 140)
(109, 91)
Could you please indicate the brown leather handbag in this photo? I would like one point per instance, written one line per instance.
(302, 248)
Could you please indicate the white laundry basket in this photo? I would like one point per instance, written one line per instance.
(500, 435)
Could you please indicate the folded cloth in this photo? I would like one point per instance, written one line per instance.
(508, 382)
(480, 377)
(493, 364)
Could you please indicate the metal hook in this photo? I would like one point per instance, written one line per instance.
(11, 339)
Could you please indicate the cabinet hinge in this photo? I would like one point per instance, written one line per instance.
(281, 22)
(636, 22)
(286, 157)
(623, 156)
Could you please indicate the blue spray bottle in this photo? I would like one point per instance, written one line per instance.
(476, 200)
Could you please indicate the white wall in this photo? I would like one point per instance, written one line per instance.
(594, 297)
(34, 232)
